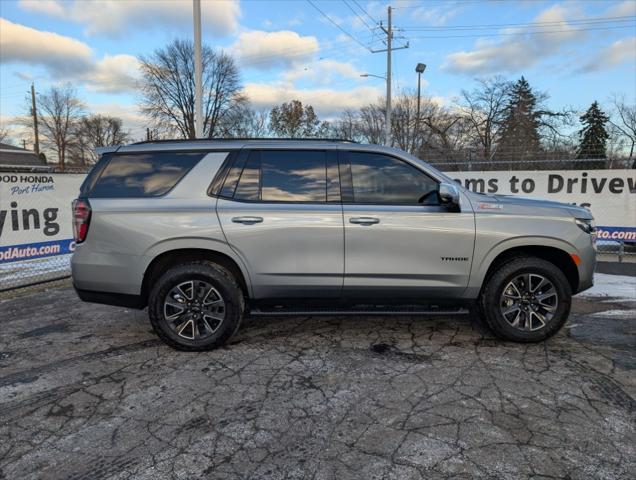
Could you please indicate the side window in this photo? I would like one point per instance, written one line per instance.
(284, 176)
(132, 175)
(249, 185)
(382, 179)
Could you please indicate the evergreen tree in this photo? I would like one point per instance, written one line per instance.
(520, 138)
(593, 136)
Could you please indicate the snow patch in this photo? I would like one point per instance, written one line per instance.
(621, 314)
(620, 287)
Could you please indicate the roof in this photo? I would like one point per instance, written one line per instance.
(238, 143)
(12, 156)
(6, 146)
(248, 139)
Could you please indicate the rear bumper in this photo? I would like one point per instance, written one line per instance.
(105, 272)
(108, 298)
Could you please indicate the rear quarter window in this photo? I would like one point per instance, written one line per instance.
(140, 174)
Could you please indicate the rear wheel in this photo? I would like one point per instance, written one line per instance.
(196, 306)
(526, 300)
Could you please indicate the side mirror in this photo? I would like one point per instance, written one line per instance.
(448, 194)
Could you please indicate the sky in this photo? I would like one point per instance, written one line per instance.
(577, 51)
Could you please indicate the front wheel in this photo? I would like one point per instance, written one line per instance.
(196, 306)
(527, 299)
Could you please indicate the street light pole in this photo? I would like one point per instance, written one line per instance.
(365, 75)
(419, 68)
(198, 71)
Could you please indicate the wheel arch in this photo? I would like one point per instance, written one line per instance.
(559, 257)
(166, 259)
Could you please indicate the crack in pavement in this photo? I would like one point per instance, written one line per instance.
(302, 397)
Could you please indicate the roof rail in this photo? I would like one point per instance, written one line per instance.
(239, 139)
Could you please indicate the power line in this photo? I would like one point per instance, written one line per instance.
(373, 20)
(629, 18)
(462, 3)
(535, 32)
(358, 15)
(337, 26)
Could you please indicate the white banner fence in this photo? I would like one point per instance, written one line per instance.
(36, 239)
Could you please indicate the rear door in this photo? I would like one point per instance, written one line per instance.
(280, 211)
(400, 243)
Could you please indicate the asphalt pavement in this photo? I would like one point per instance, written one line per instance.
(88, 392)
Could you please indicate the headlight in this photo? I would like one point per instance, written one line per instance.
(588, 226)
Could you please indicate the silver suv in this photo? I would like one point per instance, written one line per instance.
(204, 232)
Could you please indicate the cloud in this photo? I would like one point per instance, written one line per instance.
(265, 50)
(623, 9)
(326, 102)
(61, 55)
(66, 58)
(116, 17)
(519, 50)
(113, 74)
(621, 51)
(323, 72)
(27, 77)
(436, 16)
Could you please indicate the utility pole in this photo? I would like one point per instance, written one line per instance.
(387, 120)
(198, 74)
(389, 48)
(34, 112)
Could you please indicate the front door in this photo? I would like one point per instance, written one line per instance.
(285, 222)
(400, 243)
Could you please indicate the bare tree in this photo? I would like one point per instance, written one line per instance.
(246, 122)
(445, 132)
(59, 112)
(167, 87)
(348, 126)
(372, 123)
(95, 131)
(405, 130)
(5, 133)
(624, 120)
(485, 110)
(294, 120)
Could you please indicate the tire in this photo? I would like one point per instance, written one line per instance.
(212, 304)
(498, 297)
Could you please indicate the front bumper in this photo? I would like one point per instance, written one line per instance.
(587, 254)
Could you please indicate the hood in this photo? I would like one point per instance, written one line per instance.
(574, 210)
(512, 203)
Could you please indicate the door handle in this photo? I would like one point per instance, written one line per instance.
(364, 220)
(247, 220)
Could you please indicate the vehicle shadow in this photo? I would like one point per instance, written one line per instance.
(382, 332)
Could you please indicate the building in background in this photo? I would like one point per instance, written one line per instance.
(20, 159)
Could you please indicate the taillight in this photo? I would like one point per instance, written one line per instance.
(81, 219)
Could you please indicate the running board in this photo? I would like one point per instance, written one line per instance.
(358, 310)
